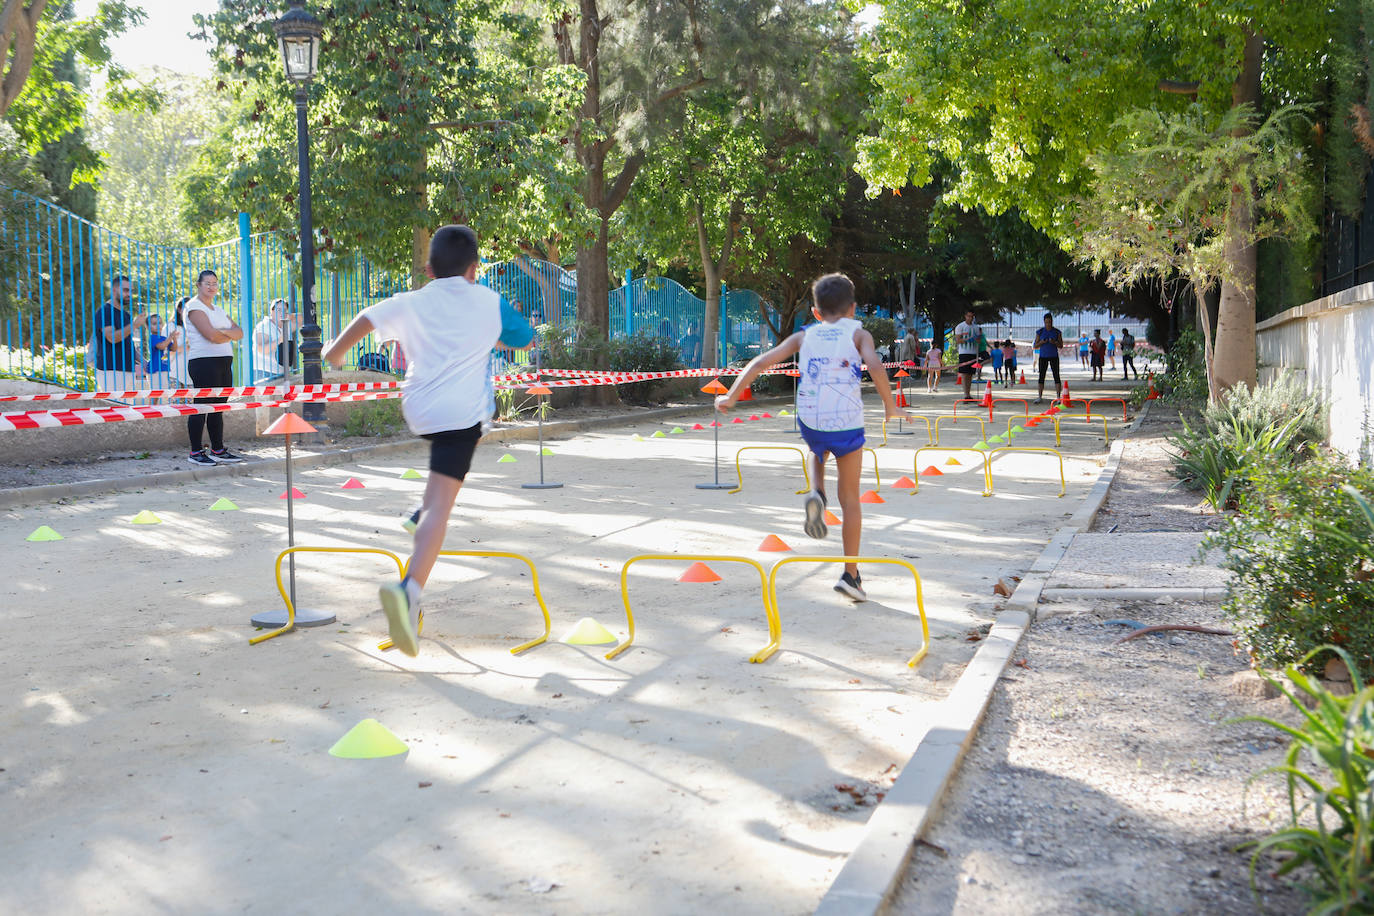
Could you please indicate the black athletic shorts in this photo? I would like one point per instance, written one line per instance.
(1052, 363)
(966, 363)
(450, 452)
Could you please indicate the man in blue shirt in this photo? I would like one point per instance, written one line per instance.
(1048, 340)
(117, 366)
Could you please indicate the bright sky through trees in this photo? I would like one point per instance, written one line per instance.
(161, 40)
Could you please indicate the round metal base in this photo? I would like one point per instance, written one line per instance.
(900, 432)
(715, 486)
(540, 486)
(305, 617)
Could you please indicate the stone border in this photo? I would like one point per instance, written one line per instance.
(1182, 593)
(869, 877)
(19, 496)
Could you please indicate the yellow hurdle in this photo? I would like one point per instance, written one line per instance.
(930, 439)
(982, 424)
(891, 561)
(286, 599)
(769, 610)
(916, 468)
(739, 469)
(1063, 484)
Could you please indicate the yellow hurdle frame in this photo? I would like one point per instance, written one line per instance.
(739, 470)
(1011, 421)
(955, 418)
(386, 645)
(916, 464)
(769, 609)
(286, 599)
(1063, 483)
(930, 439)
(891, 561)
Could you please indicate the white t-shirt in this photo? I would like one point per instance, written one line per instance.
(176, 359)
(828, 396)
(196, 344)
(266, 337)
(968, 344)
(448, 328)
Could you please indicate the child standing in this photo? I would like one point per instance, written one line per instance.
(448, 328)
(1009, 361)
(997, 362)
(830, 408)
(933, 357)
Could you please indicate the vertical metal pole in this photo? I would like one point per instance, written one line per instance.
(290, 519)
(246, 300)
(629, 303)
(313, 411)
(724, 315)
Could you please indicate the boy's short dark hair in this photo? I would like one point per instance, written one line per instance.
(833, 293)
(452, 250)
(1048, 317)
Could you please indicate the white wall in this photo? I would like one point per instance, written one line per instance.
(1329, 343)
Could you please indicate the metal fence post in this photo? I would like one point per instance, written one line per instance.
(246, 291)
(629, 303)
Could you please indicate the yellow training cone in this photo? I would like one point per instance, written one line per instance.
(505, 459)
(222, 505)
(146, 517)
(589, 633)
(368, 739)
(43, 533)
(411, 474)
(953, 461)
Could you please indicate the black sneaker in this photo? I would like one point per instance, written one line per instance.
(224, 456)
(852, 586)
(201, 459)
(815, 515)
(412, 521)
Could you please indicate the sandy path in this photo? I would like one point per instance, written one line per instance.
(155, 761)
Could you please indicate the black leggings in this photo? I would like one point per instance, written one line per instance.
(1128, 359)
(209, 372)
(1052, 363)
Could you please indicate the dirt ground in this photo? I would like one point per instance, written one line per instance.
(1109, 778)
(155, 761)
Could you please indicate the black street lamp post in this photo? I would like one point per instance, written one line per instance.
(298, 34)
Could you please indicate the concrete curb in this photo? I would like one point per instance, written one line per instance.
(870, 874)
(1181, 593)
(19, 496)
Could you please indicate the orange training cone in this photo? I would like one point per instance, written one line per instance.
(932, 471)
(698, 426)
(766, 416)
(714, 387)
(699, 572)
(1065, 399)
(903, 483)
(747, 394)
(987, 396)
(294, 494)
(871, 496)
(756, 417)
(901, 399)
(1023, 376)
(831, 518)
(352, 483)
(737, 420)
(774, 544)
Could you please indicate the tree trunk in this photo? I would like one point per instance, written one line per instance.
(594, 284)
(1235, 343)
(419, 256)
(1205, 324)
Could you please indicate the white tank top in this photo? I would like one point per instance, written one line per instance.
(828, 396)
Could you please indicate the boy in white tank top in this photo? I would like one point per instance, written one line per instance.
(830, 409)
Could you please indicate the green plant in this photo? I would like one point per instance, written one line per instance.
(1217, 460)
(1303, 561)
(642, 353)
(375, 418)
(884, 331)
(1284, 398)
(1185, 382)
(1331, 812)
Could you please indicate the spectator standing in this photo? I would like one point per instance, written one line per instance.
(1083, 349)
(1009, 361)
(691, 347)
(966, 337)
(1048, 341)
(911, 349)
(1111, 348)
(159, 344)
(274, 339)
(117, 366)
(1097, 354)
(210, 336)
(997, 359)
(1127, 353)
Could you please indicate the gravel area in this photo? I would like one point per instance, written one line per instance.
(1110, 777)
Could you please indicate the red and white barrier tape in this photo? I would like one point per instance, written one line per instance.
(260, 390)
(85, 416)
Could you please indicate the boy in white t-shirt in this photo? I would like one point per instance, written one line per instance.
(830, 407)
(448, 328)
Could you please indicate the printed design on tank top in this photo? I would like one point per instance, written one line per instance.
(829, 397)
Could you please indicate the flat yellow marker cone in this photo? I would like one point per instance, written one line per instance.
(589, 633)
(146, 517)
(368, 739)
(676, 430)
(637, 437)
(546, 451)
(505, 459)
(784, 412)
(222, 505)
(411, 474)
(43, 533)
(954, 462)
(659, 434)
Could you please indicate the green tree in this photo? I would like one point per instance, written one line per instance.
(1017, 95)
(146, 156)
(422, 113)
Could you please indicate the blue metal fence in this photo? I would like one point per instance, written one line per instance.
(60, 267)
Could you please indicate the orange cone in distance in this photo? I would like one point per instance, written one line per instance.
(831, 518)
(756, 417)
(987, 396)
(747, 394)
(699, 572)
(932, 471)
(774, 544)
(538, 388)
(871, 496)
(714, 387)
(352, 483)
(698, 426)
(902, 373)
(766, 416)
(903, 483)
(1023, 376)
(294, 494)
(737, 420)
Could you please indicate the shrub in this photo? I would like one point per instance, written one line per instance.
(1331, 811)
(1303, 560)
(375, 418)
(884, 331)
(1218, 460)
(1271, 405)
(1186, 380)
(642, 353)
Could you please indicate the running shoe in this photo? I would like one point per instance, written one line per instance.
(1038, 401)
(402, 618)
(852, 586)
(412, 521)
(201, 459)
(224, 456)
(815, 515)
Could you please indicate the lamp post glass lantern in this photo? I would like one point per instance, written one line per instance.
(298, 35)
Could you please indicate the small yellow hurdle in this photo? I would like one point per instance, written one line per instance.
(916, 467)
(286, 600)
(806, 473)
(1063, 483)
(982, 424)
(769, 609)
(930, 439)
(891, 561)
